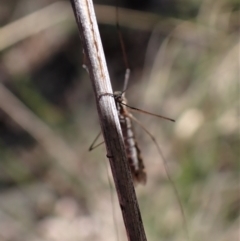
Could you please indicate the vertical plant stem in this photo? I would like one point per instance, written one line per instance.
(96, 65)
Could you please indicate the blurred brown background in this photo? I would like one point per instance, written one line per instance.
(184, 57)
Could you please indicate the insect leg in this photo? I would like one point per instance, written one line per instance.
(166, 169)
(93, 146)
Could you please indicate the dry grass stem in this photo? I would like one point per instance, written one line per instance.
(96, 65)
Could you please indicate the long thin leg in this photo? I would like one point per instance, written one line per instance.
(146, 112)
(166, 169)
(125, 59)
(126, 79)
(93, 146)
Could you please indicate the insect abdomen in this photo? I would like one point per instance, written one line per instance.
(133, 152)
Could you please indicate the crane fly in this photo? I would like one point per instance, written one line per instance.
(125, 118)
(126, 121)
(133, 152)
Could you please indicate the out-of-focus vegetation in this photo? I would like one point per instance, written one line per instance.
(184, 58)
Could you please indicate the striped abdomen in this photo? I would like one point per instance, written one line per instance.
(132, 149)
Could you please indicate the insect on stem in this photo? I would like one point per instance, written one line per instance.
(126, 119)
